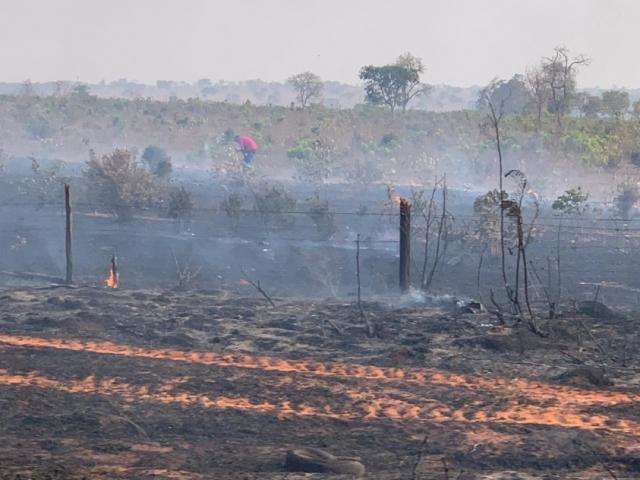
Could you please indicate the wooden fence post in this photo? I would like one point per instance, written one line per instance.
(67, 243)
(405, 245)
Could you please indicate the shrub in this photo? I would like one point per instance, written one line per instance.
(486, 224)
(572, 202)
(180, 204)
(626, 199)
(273, 205)
(45, 183)
(118, 182)
(314, 159)
(232, 206)
(229, 135)
(322, 218)
(363, 169)
(157, 160)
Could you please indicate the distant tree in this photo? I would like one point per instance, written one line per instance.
(308, 86)
(513, 95)
(61, 89)
(590, 105)
(636, 109)
(211, 90)
(157, 160)
(203, 83)
(165, 84)
(615, 102)
(27, 88)
(560, 76)
(539, 91)
(80, 90)
(394, 85)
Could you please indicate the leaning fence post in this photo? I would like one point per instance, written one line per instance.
(405, 245)
(67, 242)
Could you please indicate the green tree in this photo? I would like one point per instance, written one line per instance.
(308, 86)
(615, 102)
(394, 85)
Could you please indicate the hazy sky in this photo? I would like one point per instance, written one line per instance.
(462, 42)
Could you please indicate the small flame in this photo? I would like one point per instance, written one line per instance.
(112, 279)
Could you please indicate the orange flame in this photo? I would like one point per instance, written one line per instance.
(132, 393)
(415, 376)
(358, 406)
(377, 392)
(112, 279)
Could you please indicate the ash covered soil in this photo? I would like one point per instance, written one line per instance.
(97, 383)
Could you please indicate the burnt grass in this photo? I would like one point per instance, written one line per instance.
(478, 374)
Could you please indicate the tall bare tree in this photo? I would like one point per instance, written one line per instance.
(539, 90)
(308, 87)
(495, 99)
(560, 76)
(411, 90)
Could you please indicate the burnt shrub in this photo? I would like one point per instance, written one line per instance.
(119, 183)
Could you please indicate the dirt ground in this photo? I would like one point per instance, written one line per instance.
(104, 384)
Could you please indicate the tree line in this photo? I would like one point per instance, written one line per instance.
(548, 87)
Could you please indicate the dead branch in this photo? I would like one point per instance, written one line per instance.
(34, 277)
(479, 272)
(370, 328)
(445, 467)
(185, 274)
(545, 290)
(441, 226)
(333, 325)
(429, 221)
(498, 311)
(257, 286)
(414, 471)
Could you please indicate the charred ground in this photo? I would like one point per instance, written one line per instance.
(207, 384)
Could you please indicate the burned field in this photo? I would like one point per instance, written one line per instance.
(206, 384)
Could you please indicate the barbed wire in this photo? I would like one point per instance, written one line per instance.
(558, 222)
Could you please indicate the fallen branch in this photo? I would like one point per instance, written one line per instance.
(333, 325)
(39, 277)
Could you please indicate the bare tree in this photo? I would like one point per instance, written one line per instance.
(560, 76)
(411, 90)
(539, 90)
(496, 106)
(308, 86)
